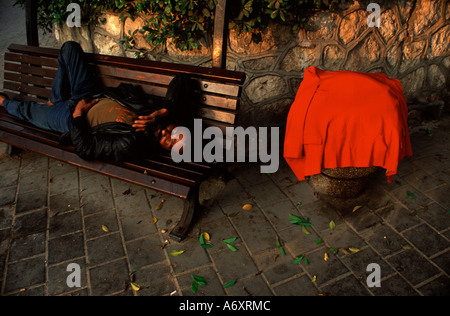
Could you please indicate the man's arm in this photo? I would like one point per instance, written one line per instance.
(142, 121)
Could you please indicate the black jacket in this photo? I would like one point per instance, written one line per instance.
(118, 142)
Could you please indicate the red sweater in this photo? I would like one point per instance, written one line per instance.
(346, 119)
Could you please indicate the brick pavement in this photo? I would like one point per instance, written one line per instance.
(52, 214)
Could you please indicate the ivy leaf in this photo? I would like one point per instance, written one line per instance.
(230, 284)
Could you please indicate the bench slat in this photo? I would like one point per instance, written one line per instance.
(215, 74)
(25, 69)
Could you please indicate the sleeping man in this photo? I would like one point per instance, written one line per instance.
(101, 127)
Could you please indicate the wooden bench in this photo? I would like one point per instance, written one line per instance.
(29, 73)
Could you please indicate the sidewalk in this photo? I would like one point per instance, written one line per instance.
(53, 214)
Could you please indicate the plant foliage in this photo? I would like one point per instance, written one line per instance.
(186, 21)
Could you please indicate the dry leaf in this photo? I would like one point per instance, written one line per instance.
(135, 286)
(325, 257)
(105, 228)
(176, 253)
(314, 279)
(247, 207)
(354, 250)
(160, 205)
(332, 225)
(356, 208)
(154, 219)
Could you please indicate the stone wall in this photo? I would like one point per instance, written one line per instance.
(411, 45)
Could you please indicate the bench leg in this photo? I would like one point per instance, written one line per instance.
(180, 231)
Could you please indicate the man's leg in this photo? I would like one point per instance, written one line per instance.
(57, 118)
(74, 80)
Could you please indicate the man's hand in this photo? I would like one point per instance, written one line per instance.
(83, 107)
(142, 121)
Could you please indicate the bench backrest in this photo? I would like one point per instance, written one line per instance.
(29, 74)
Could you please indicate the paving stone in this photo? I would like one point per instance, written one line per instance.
(67, 201)
(27, 246)
(30, 223)
(385, 240)
(156, 280)
(58, 276)
(234, 265)
(24, 274)
(66, 223)
(399, 217)
(30, 201)
(104, 249)
(437, 287)
(426, 240)
(110, 278)
(301, 286)
(213, 286)
(93, 224)
(349, 286)
(145, 251)
(443, 261)
(277, 268)
(325, 271)
(411, 265)
(96, 202)
(394, 286)
(65, 248)
(7, 196)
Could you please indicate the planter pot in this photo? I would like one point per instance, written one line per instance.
(342, 182)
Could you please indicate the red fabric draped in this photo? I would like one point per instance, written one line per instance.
(346, 119)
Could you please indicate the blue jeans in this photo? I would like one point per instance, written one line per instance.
(73, 83)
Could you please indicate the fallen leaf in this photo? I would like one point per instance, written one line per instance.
(298, 260)
(305, 230)
(345, 252)
(325, 257)
(411, 195)
(314, 279)
(200, 280)
(230, 284)
(406, 247)
(299, 220)
(194, 287)
(207, 237)
(135, 286)
(231, 247)
(160, 205)
(155, 220)
(176, 253)
(229, 240)
(247, 207)
(354, 250)
(319, 241)
(356, 208)
(233, 214)
(105, 228)
(332, 225)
